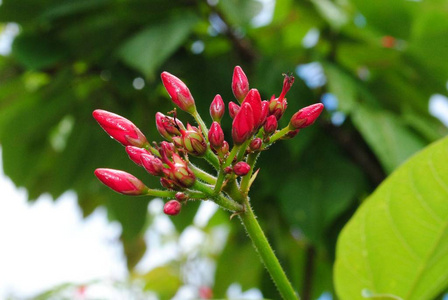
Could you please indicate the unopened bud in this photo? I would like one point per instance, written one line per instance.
(193, 141)
(167, 148)
(135, 154)
(172, 207)
(253, 98)
(217, 108)
(225, 147)
(306, 116)
(228, 170)
(121, 182)
(179, 92)
(233, 109)
(290, 134)
(240, 84)
(243, 125)
(216, 136)
(169, 184)
(153, 165)
(287, 83)
(255, 144)
(179, 172)
(120, 129)
(181, 196)
(270, 126)
(168, 127)
(277, 108)
(241, 168)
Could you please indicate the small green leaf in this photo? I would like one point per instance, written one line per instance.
(397, 242)
(162, 280)
(342, 85)
(148, 49)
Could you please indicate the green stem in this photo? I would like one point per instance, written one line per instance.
(279, 134)
(244, 186)
(242, 150)
(267, 255)
(201, 174)
(160, 193)
(221, 174)
(219, 199)
(201, 123)
(212, 158)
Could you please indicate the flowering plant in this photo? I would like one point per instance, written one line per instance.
(254, 130)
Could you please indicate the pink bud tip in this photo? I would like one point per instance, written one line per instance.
(240, 84)
(216, 136)
(179, 92)
(255, 144)
(217, 108)
(121, 182)
(254, 99)
(172, 207)
(270, 126)
(153, 165)
(233, 109)
(135, 154)
(306, 116)
(181, 196)
(287, 83)
(243, 125)
(241, 168)
(120, 129)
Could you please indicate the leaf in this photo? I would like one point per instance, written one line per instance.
(240, 12)
(332, 13)
(37, 52)
(148, 49)
(162, 280)
(397, 242)
(389, 138)
(342, 85)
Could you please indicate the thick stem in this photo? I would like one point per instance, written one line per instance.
(219, 199)
(201, 174)
(267, 255)
(212, 158)
(160, 193)
(279, 134)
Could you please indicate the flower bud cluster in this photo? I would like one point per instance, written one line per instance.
(254, 128)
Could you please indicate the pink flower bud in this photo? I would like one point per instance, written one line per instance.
(167, 148)
(169, 184)
(181, 196)
(217, 108)
(205, 292)
(290, 134)
(277, 108)
(216, 136)
(121, 182)
(241, 168)
(179, 172)
(225, 147)
(264, 111)
(255, 144)
(119, 128)
(287, 83)
(168, 127)
(233, 109)
(135, 154)
(270, 126)
(254, 99)
(243, 125)
(193, 141)
(306, 116)
(153, 165)
(179, 92)
(172, 207)
(228, 170)
(240, 84)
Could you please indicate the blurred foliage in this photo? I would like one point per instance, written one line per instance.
(381, 59)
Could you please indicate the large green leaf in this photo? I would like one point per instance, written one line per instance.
(148, 49)
(397, 242)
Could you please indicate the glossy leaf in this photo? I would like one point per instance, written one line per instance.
(148, 49)
(397, 242)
